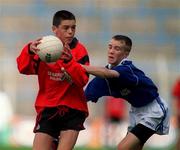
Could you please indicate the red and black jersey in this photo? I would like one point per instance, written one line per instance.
(54, 90)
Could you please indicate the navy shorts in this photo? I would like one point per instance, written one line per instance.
(55, 119)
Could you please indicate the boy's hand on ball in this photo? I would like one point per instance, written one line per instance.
(33, 46)
(66, 54)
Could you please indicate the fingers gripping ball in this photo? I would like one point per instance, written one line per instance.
(50, 48)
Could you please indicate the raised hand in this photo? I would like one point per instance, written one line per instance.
(33, 46)
(66, 53)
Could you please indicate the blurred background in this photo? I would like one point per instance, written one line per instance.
(154, 27)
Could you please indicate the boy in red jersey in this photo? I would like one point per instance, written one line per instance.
(176, 102)
(60, 104)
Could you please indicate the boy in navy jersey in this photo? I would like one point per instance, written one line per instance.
(60, 104)
(148, 113)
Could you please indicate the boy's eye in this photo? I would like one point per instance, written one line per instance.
(110, 46)
(117, 48)
(73, 27)
(66, 27)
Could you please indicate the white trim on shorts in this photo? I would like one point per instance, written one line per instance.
(155, 116)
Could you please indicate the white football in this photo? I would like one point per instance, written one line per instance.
(50, 48)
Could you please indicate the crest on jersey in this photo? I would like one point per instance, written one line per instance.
(125, 92)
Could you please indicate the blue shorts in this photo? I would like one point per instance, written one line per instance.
(52, 120)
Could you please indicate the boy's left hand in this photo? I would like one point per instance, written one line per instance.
(66, 54)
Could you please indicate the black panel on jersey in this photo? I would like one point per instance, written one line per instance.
(73, 43)
(84, 60)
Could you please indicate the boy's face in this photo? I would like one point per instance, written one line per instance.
(116, 52)
(65, 31)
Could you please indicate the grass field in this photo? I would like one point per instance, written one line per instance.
(80, 148)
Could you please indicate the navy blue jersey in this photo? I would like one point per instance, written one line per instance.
(132, 85)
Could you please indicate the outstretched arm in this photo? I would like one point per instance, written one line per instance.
(101, 72)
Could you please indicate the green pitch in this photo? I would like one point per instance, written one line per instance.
(82, 148)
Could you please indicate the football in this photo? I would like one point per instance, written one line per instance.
(50, 48)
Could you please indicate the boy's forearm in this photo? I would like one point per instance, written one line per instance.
(101, 72)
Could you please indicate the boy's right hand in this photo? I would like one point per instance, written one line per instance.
(33, 46)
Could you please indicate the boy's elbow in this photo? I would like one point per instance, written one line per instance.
(21, 70)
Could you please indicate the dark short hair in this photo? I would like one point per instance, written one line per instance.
(62, 15)
(124, 38)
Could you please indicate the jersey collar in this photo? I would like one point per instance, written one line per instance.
(123, 62)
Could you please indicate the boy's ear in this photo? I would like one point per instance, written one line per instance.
(126, 53)
(54, 29)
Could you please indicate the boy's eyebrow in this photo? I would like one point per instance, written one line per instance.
(69, 26)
